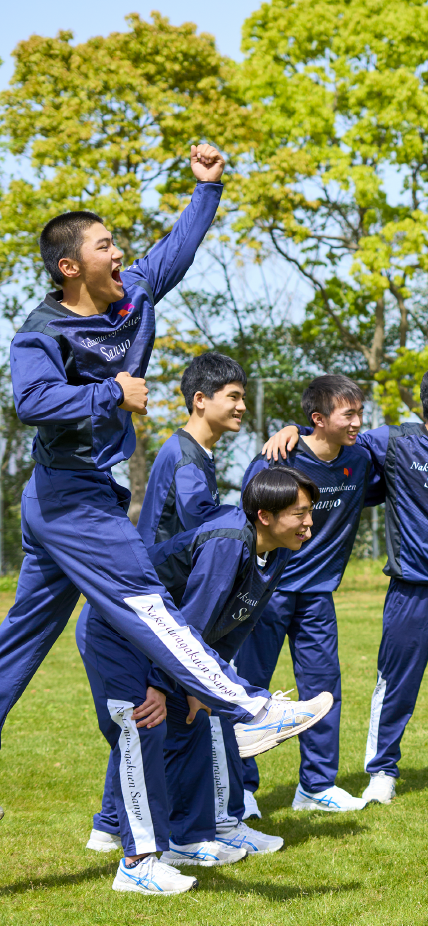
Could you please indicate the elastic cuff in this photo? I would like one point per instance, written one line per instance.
(121, 398)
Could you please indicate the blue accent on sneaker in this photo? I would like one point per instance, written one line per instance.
(328, 801)
(145, 881)
(237, 842)
(279, 725)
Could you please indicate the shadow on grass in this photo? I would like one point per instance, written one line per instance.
(209, 880)
(300, 826)
(52, 881)
(274, 892)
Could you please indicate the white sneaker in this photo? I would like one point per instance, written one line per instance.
(255, 843)
(103, 842)
(251, 811)
(332, 799)
(151, 877)
(1, 813)
(381, 789)
(280, 721)
(202, 853)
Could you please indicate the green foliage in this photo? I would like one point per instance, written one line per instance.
(101, 123)
(338, 92)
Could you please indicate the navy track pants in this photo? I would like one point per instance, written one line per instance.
(403, 656)
(203, 775)
(117, 674)
(309, 619)
(79, 539)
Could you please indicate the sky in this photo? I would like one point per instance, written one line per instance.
(100, 17)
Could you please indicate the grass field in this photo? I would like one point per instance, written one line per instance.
(360, 868)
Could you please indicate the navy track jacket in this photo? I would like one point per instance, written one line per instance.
(213, 573)
(181, 492)
(346, 484)
(400, 452)
(64, 365)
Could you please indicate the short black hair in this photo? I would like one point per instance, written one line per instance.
(63, 237)
(324, 392)
(208, 373)
(274, 489)
(424, 396)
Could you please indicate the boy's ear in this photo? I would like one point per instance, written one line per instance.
(199, 400)
(318, 419)
(69, 268)
(264, 517)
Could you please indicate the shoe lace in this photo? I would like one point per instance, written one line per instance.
(281, 695)
(144, 871)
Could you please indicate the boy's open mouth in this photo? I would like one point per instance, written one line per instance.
(116, 275)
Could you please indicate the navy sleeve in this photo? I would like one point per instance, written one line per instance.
(157, 678)
(376, 442)
(168, 261)
(376, 488)
(214, 569)
(255, 467)
(41, 390)
(193, 499)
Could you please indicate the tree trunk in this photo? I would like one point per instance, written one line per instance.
(137, 478)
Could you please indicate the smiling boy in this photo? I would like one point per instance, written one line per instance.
(78, 364)
(302, 606)
(182, 489)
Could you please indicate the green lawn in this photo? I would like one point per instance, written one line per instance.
(345, 869)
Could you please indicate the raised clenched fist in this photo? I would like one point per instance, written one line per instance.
(206, 162)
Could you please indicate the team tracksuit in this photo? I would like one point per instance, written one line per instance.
(181, 493)
(76, 534)
(401, 453)
(302, 605)
(222, 605)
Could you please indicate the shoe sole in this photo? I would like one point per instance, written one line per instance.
(102, 846)
(325, 809)
(246, 752)
(203, 864)
(125, 888)
(265, 851)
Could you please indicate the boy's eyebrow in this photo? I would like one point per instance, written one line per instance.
(106, 238)
(352, 408)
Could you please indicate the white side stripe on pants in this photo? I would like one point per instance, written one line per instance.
(132, 777)
(376, 710)
(221, 776)
(179, 640)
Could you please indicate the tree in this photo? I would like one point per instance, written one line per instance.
(16, 468)
(338, 92)
(101, 124)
